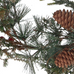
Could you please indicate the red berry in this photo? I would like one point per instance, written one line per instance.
(10, 39)
(1, 37)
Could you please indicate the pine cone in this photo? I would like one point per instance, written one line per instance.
(2, 14)
(65, 58)
(65, 19)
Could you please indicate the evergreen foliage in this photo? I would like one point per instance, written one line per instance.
(45, 38)
(67, 3)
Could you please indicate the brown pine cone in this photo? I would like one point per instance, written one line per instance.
(65, 19)
(65, 58)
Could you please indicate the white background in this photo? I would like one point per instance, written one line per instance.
(38, 8)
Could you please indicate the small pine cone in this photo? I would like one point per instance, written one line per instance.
(65, 19)
(2, 14)
(65, 58)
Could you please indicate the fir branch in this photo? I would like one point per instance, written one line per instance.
(16, 34)
(67, 3)
(30, 64)
(22, 13)
(38, 24)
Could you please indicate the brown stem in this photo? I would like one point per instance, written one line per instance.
(8, 33)
(30, 47)
(8, 54)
